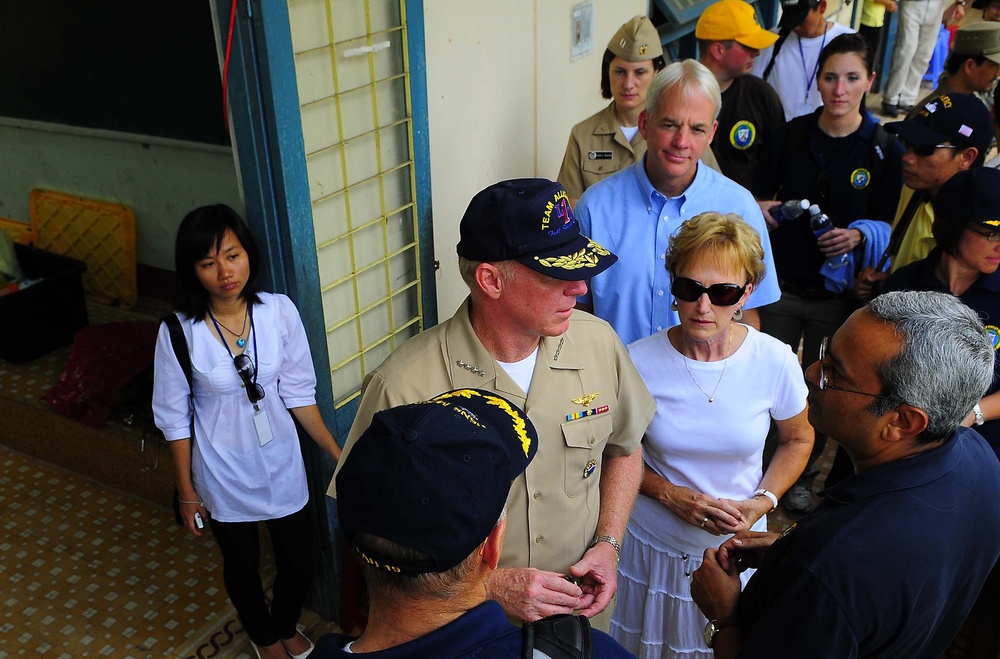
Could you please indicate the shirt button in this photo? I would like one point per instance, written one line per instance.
(663, 256)
(659, 293)
(536, 495)
(659, 328)
(538, 539)
(593, 441)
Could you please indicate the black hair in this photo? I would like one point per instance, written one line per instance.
(201, 231)
(955, 61)
(658, 65)
(947, 228)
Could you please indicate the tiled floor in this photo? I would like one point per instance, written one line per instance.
(91, 571)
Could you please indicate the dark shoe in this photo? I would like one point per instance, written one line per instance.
(798, 499)
(891, 110)
(907, 109)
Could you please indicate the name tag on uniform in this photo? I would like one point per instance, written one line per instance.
(600, 155)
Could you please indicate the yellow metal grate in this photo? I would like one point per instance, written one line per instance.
(99, 233)
(354, 93)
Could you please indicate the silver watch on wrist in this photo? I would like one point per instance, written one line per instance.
(980, 417)
(713, 628)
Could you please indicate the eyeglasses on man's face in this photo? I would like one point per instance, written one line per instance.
(924, 150)
(826, 380)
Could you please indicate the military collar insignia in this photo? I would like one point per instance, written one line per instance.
(471, 369)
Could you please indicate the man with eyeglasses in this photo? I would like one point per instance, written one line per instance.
(890, 563)
(949, 134)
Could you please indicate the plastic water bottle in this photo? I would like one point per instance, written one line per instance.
(820, 223)
(789, 210)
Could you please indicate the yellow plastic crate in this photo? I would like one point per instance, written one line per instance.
(99, 233)
(19, 232)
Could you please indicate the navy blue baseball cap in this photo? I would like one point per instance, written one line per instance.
(433, 477)
(960, 119)
(971, 195)
(529, 220)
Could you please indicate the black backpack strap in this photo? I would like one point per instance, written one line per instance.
(782, 38)
(179, 343)
(795, 138)
(562, 636)
(881, 146)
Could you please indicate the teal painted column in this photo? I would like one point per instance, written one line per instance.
(267, 138)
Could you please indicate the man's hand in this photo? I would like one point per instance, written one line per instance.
(869, 283)
(716, 591)
(530, 594)
(744, 550)
(598, 569)
(765, 209)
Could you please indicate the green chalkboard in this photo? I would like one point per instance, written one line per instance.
(147, 67)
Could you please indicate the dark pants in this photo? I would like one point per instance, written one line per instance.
(794, 319)
(875, 36)
(293, 544)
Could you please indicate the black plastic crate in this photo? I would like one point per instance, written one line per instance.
(46, 315)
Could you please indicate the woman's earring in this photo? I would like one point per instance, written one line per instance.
(738, 315)
(673, 304)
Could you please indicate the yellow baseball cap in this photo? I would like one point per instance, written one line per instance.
(733, 20)
(636, 41)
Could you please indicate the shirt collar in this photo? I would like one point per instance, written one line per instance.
(902, 474)
(654, 198)
(472, 366)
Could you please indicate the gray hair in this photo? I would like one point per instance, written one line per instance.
(690, 76)
(945, 364)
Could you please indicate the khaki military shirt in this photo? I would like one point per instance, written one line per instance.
(597, 149)
(553, 507)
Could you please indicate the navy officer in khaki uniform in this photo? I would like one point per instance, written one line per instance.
(609, 141)
(517, 334)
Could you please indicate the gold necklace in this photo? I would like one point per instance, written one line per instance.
(725, 363)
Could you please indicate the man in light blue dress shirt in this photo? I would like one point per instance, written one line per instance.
(634, 212)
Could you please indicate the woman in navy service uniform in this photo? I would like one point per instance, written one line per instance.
(609, 141)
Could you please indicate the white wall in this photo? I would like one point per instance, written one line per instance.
(160, 181)
(502, 101)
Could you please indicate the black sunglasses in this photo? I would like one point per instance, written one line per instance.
(924, 150)
(721, 295)
(248, 372)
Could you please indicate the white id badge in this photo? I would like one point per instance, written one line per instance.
(263, 427)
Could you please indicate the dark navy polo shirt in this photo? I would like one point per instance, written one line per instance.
(888, 565)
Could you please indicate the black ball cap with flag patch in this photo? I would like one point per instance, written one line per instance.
(433, 477)
(529, 220)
